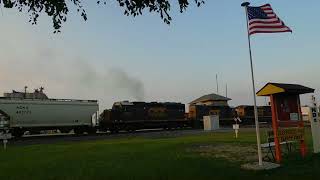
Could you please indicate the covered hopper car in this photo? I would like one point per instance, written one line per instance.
(34, 112)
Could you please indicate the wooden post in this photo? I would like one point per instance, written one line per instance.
(303, 147)
(275, 126)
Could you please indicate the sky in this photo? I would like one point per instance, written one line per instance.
(112, 57)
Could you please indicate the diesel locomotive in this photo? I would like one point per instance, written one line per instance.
(132, 116)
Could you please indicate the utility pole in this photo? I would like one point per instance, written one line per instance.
(217, 83)
(226, 90)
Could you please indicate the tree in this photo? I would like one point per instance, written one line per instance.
(58, 9)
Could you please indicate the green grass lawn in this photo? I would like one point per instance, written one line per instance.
(146, 158)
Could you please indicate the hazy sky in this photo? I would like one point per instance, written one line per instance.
(112, 57)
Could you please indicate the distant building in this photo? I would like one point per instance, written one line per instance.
(210, 104)
(211, 100)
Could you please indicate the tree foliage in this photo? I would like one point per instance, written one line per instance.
(58, 9)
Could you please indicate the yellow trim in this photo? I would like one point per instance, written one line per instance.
(270, 89)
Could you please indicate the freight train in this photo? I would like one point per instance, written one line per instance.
(227, 114)
(35, 112)
(246, 113)
(22, 112)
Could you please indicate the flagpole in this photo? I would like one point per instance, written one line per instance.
(245, 5)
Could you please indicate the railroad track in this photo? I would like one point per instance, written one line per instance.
(61, 138)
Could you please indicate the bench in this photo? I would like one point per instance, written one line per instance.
(287, 137)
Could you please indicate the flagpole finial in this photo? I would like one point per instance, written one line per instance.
(245, 4)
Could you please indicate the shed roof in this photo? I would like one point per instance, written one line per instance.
(276, 88)
(210, 97)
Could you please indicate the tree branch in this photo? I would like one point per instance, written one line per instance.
(58, 9)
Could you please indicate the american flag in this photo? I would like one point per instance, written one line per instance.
(262, 19)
